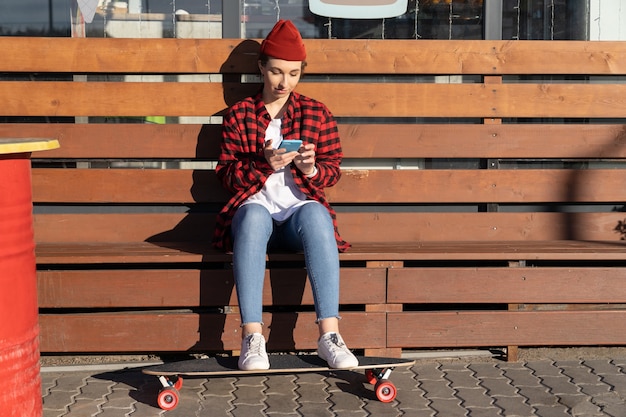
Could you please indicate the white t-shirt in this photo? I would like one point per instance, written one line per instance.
(279, 195)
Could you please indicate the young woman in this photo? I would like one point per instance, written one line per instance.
(278, 196)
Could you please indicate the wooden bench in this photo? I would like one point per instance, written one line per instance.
(482, 190)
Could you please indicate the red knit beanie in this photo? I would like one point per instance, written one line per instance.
(284, 42)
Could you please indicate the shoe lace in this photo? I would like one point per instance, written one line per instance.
(254, 345)
(334, 344)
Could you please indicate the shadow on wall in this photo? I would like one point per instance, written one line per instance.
(579, 187)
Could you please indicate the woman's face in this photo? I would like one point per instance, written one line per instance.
(280, 77)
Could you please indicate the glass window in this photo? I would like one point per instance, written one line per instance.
(427, 19)
(35, 17)
(545, 19)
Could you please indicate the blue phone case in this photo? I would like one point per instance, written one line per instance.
(291, 144)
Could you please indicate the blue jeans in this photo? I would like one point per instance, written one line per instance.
(309, 229)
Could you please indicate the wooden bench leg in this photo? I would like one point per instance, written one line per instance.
(512, 352)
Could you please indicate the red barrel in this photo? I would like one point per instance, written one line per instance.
(20, 395)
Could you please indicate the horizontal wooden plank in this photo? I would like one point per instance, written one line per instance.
(193, 288)
(383, 227)
(324, 56)
(344, 99)
(187, 252)
(149, 141)
(507, 285)
(392, 186)
(191, 332)
(502, 328)
(478, 186)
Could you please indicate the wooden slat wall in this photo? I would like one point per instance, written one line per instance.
(92, 245)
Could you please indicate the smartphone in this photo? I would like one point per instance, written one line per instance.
(290, 144)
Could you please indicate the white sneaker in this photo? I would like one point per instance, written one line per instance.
(253, 355)
(333, 350)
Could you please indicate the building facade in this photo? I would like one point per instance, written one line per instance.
(424, 19)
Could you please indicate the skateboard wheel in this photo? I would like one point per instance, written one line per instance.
(168, 398)
(371, 377)
(385, 391)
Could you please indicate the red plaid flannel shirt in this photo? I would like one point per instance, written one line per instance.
(243, 169)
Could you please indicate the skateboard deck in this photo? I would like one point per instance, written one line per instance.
(377, 371)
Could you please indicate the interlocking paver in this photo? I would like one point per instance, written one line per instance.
(581, 375)
(617, 383)
(484, 412)
(281, 403)
(217, 386)
(58, 400)
(462, 378)
(602, 367)
(95, 390)
(544, 368)
(485, 370)
(474, 397)
(514, 406)
(448, 407)
(85, 408)
(615, 410)
(497, 387)
(552, 411)
(428, 371)
(375, 408)
(247, 411)
(315, 410)
(522, 377)
(585, 408)
(537, 396)
(560, 385)
(250, 395)
(147, 410)
(437, 389)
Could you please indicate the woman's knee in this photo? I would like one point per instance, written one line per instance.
(252, 216)
(315, 218)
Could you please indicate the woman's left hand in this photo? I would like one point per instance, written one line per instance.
(305, 161)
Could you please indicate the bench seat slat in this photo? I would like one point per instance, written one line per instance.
(186, 252)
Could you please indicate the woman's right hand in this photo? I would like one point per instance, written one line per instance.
(277, 158)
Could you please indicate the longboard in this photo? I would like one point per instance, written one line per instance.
(377, 372)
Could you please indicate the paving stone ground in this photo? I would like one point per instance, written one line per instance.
(536, 387)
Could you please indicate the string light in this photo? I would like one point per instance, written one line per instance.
(277, 8)
(416, 28)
